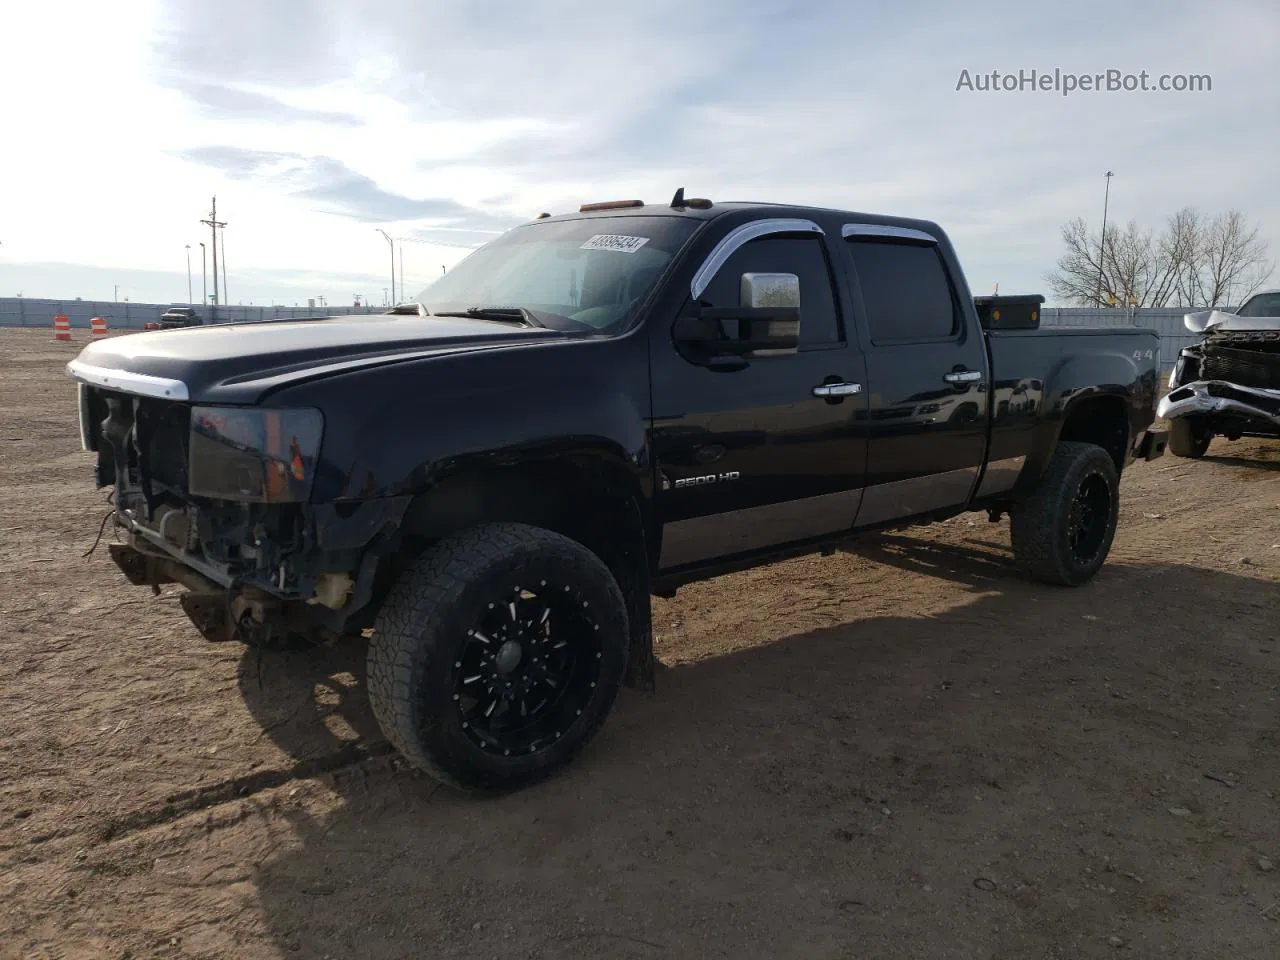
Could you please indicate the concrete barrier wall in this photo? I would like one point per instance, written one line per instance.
(29, 312)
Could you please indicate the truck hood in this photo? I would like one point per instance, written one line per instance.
(1206, 320)
(239, 362)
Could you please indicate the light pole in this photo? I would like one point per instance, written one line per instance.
(392, 244)
(204, 275)
(402, 271)
(189, 300)
(1102, 251)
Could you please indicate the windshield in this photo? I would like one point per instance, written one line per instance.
(1263, 305)
(588, 274)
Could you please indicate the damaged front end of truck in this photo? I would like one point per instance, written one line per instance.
(216, 498)
(1227, 385)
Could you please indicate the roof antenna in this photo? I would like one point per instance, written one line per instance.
(677, 202)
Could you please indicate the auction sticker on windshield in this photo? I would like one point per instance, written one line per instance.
(608, 241)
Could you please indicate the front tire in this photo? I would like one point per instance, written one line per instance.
(497, 656)
(1062, 533)
(1188, 438)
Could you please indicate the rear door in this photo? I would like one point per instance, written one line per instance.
(752, 458)
(928, 382)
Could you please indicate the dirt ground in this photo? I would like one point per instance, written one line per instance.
(904, 750)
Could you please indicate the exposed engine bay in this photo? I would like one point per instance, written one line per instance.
(205, 503)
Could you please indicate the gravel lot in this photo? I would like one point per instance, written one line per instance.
(904, 750)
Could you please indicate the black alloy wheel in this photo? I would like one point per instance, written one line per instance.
(527, 668)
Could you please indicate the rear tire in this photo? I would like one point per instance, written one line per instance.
(1062, 533)
(1188, 438)
(497, 656)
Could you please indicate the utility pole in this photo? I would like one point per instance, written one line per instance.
(189, 293)
(402, 271)
(204, 275)
(225, 298)
(393, 264)
(1102, 252)
(213, 223)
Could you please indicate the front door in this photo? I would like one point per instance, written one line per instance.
(753, 458)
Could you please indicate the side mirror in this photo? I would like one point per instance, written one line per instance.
(766, 322)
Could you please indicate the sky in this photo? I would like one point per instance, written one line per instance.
(318, 122)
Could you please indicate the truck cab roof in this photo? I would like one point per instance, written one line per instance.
(749, 210)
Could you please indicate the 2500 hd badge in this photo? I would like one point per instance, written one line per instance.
(708, 479)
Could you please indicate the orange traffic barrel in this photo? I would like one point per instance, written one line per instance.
(62, 328)
(97, 327)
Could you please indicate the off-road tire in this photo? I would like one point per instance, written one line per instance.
(1041, 524)
(1188, 438)
(423, 625)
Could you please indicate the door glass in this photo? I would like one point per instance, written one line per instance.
(905, 291)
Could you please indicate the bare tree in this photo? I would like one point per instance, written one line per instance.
(1179, 245)
(1195, 262)
(1139, 271)
(1077, 273)
(1234, 260)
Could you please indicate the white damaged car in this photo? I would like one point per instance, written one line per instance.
(1227, 385)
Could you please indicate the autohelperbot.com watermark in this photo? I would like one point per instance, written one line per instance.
(1065, 83)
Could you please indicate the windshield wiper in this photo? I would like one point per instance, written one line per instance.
(501, 314)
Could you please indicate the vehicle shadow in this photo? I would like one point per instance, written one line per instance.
(311, 703)
(933, 785)
(1258, 463)
(979, 565)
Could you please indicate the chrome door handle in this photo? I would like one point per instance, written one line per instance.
(963, 376)
(843, 389)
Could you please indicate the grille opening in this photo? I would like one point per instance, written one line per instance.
(1257, 368)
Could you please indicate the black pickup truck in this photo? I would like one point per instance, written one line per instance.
(589, 410)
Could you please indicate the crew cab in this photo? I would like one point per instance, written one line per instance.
(1229, 383)
(592, 409)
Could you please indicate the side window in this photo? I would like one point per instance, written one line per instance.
(905, 291)
(803, 256)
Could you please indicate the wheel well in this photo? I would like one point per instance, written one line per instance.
(1099, 420)
(596, 503)
(582, 502)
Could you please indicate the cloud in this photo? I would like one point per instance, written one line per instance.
(329, 186)
(291, 43)
(222, 102)
(821, 102)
